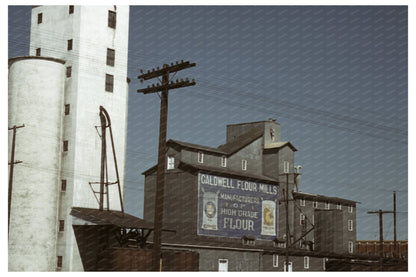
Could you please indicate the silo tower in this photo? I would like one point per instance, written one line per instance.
(77, 64)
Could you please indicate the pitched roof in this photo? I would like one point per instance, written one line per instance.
(195, 146)
(226, 172)
(241, 141)
(280, 144)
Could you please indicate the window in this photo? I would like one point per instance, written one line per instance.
(109, 82)
(350, 225)
(112, 19)
(290, 267)
(38, 52)
(69, 44)
(315, 204)
(68, 71)
(224, 161)
(71, 9)
(40, 18)
(63, 185)
(67, 107)
(350, 209)
(324, 260)
(350, 247)
(65, 145)
(302, 202)
(306, 262)
(285, 167)
(275, 260)
(111, 53)
(59, 262)
(302, 219)
(200, 157)
(339, 206)
(61, 225)
(244, 164)
(327, 206)
(222, 265)
(248, 240)
(171, 162)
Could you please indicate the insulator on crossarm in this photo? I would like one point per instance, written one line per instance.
(141, 81)
(157, 68)
(181, 80)
(193, 80)
(177, 81)
(153, 85)
(141, 71)
(181, 61)
(176, 62)
(187, 79)
(171, 64)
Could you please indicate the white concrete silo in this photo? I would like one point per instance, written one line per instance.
(36, 93)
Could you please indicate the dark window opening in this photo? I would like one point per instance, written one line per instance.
(67, 107)
(37, 51)
(63, 185)
(112, 19)
(109, 82)
(111, 53)
(65, 145)
(40, 15)
(59, 262)
(61, 225)
(71, 9)
(69, 44)
(68, 71)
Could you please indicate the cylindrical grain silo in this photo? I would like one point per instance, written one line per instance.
(36, 95)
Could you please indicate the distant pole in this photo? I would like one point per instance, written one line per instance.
(161, 164)
(395, 230)
(12, 163)
(287, 221)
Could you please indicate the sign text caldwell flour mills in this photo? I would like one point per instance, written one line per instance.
(230, 207)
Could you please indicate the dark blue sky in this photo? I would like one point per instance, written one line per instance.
(334, 77)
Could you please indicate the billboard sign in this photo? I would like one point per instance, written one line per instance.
(235, 208)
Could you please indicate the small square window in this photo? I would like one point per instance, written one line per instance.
(68, 71)
(315, 204)
(65, 145)
(350, 209)
(69, 46)
(38, 52)
(339, 206)
(327, 205)
(40, 15)
(302, 202)
(275, 260)
(71, 9)
(171, 163)
(302, 219)
(59, 262)
(61, 225)
(350, 247)
(63, 185)
(112, 19)
(200, 157)
(244, 164)
(224, 161)
(67, 108)
(109, 82)
(110, 56)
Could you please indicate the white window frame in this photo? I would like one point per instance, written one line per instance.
(324, 260)
(350, 209)
(223, 261)
(350, 247)
(286, 167)
(302, 218)
(244, 164)
(275, 260)
(200, 157)
(302, 202)
(290, 267)
(171, 163)
(224, 161)
(306, 262)
(327, 205)
(339, 206)
(350, 225)
(315, 204)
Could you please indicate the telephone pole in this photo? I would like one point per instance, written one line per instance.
(12, 163)
(380, 215)
(163, 87)
(394, 219)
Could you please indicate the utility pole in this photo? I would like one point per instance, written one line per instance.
(287, 222)
(164, 87)
(380, 214)
(12, 163)
(394, 216)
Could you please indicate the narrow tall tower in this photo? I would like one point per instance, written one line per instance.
(86, 48)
